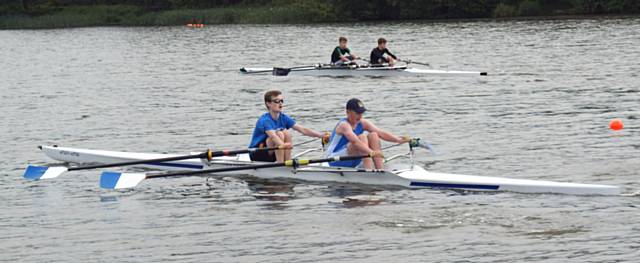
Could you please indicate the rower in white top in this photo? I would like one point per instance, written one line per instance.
(354, 135)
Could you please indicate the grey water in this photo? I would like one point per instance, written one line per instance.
(542, 113)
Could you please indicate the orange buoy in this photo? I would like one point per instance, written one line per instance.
(616, 124)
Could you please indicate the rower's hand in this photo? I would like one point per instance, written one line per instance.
(376, 154)
(326, 137)
(405, 138)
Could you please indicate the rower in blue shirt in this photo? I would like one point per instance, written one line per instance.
(272, 130)
(354, 135)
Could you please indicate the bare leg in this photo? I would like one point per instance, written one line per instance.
(287, 139)
(367, 163)
(374, 144)
(271, 144)
(279, 153)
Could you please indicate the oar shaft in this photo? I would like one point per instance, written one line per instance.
(235, 152)
(167, 159)
(205, 155)
(291, 163)
(414, 62)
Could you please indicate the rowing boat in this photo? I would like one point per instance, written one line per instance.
(407, 176)
(343, 71)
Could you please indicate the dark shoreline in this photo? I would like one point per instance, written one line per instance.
(132, 16)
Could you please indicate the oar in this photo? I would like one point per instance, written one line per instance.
(116, 180)
(285, 71)
(374, 65)
(277, 71)
(415, 142)
(408, 61)
(34, 172)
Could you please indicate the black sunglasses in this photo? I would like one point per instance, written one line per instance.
(278, 101)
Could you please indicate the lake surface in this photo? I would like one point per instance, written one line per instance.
(542, 113)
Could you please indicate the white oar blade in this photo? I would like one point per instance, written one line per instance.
(34, 172)
(115, 180)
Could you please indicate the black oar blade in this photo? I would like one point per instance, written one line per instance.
(281, 71)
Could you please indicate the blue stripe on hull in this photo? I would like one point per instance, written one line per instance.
(179, 165)
(456, 186)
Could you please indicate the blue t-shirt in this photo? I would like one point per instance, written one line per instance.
(266, 123)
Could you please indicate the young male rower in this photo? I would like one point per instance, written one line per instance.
(342, 54)
(354, 135)
(272, 130)
(378, 54)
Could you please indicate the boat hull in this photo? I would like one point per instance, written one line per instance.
(407, 177)
(369, 72)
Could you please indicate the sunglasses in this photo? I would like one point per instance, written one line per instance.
(278, 101)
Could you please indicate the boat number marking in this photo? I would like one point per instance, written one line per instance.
(70, 153)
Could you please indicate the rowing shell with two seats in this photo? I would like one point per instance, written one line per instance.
(398, 175)
(344, 71)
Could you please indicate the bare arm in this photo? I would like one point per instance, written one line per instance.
(345, 129)
(274, 137)
(308, 131)
(385, 135)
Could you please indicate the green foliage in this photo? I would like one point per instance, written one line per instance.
(75, 16)
(529, 8)
(12, 7)
(607, 6)
(505, 10)
(72, 13)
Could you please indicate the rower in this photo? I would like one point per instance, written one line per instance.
(378, 57)
(272, 130)
(342, 54)
(354, 135)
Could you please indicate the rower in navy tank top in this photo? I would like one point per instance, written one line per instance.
(338, 145)
(355, 135)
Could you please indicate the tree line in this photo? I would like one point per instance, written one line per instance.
(356, 10)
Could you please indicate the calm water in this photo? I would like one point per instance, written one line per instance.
(541, 114)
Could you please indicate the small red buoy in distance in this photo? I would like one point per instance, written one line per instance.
(616, 124)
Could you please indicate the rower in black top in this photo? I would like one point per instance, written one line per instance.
(377, 54)
(341, 54)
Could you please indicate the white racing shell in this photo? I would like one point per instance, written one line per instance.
(411, 176)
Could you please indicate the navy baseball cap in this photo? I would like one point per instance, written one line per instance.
(356, 105)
